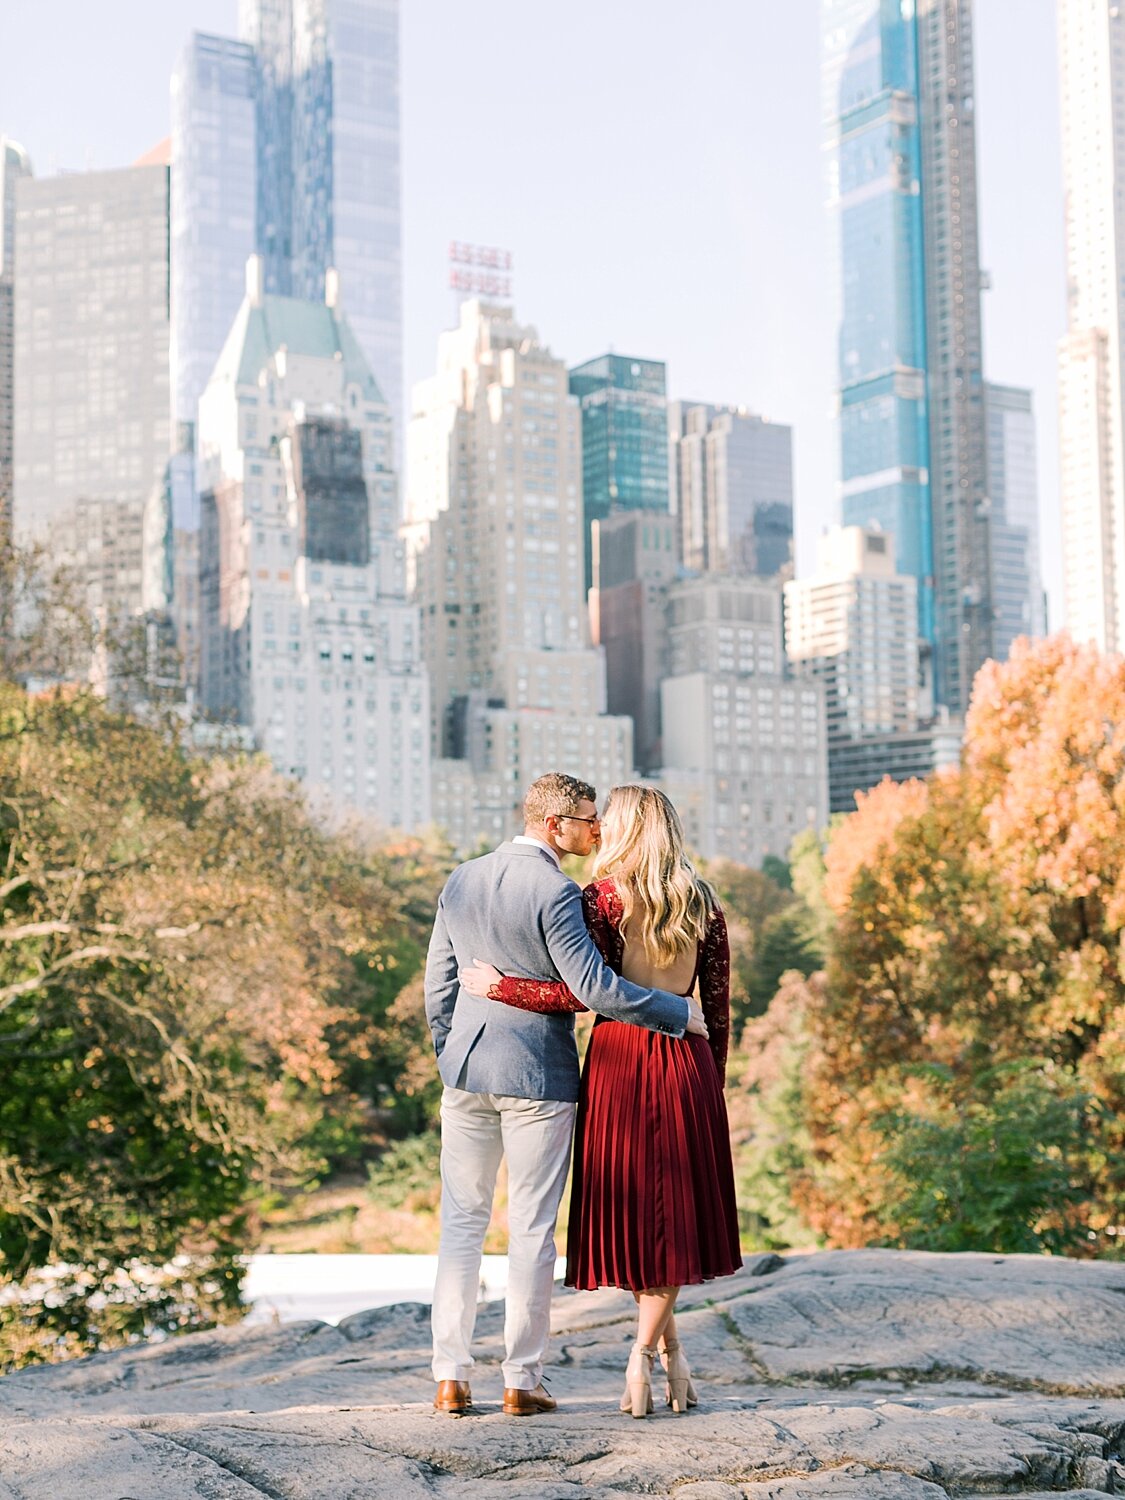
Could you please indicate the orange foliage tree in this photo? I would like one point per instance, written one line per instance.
(966, 1076)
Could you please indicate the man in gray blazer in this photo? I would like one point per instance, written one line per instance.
(511, 1078)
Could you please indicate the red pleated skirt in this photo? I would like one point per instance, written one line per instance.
(652, 1203)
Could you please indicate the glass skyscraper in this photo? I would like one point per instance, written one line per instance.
(328, 191)
(213, 189)
(624, 438)
(899, 110)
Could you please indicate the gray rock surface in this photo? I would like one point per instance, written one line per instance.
(858, 1375)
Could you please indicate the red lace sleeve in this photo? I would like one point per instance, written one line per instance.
(548, 996)
(602, 908)
(714, 988)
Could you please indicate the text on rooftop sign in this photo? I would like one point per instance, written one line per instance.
(481, 269)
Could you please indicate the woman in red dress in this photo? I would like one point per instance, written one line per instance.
(652, 1203)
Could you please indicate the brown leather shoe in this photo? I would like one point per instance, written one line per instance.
(453, 1396)
(527, 1403)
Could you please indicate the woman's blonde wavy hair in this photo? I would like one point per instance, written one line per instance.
(642, 850)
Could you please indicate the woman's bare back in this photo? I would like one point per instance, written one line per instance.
(638, 967)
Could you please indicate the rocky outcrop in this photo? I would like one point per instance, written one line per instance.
(858, 1375)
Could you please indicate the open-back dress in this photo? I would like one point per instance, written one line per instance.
(652, 1203)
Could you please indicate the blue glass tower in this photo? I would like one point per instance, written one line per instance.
(624, 438)
(213, 228)
(328, 163)
(899, 111)
(871, 80)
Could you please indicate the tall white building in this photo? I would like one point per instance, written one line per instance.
(745, 749)
(853, 625)
(1091, 426)
(495, 525)
(1018, 601)
(307, 636)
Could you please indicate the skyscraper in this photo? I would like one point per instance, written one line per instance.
(213, 216)
(14, 164)
(91, 368)
(624, 438)
(731, 477)
(308, 636)
(635, 558)
(1017, 585)
(494, 515)
(328, 192)
(745, 756)
(1091, 424)
(899, 107)
(853, 626)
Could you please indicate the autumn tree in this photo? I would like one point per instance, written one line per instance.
(193, 977)
(967, 1083)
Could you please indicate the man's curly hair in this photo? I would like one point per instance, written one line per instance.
(555, 793)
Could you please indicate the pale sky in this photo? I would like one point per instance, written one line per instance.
(656, 170)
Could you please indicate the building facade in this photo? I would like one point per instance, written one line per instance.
(91, 369)
(328, 162)
(213, 217)
(495, 527)
(635, 558)
(624, 438)
(731, 479)
(1018, 599)
(745, 749)
(1091, 426)
(854, 627)
(307, 634)
(959, 501)
(899, 109)
(14, 164)
(858, 765)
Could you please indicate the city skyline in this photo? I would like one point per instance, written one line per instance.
(655, 280)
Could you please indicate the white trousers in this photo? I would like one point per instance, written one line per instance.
(477, 1130)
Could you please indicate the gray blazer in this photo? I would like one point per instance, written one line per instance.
(516, 909)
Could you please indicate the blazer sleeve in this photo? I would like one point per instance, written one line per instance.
(590, 979)
(441, 984)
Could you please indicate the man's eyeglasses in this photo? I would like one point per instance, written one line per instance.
(574, 818)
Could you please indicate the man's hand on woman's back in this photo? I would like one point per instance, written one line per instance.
(696, 1025)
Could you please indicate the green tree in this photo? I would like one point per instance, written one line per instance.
(749, 899)
(786, 943)
(195, 982)
(1001, 1170)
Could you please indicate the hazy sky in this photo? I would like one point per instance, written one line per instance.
(657, 172)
